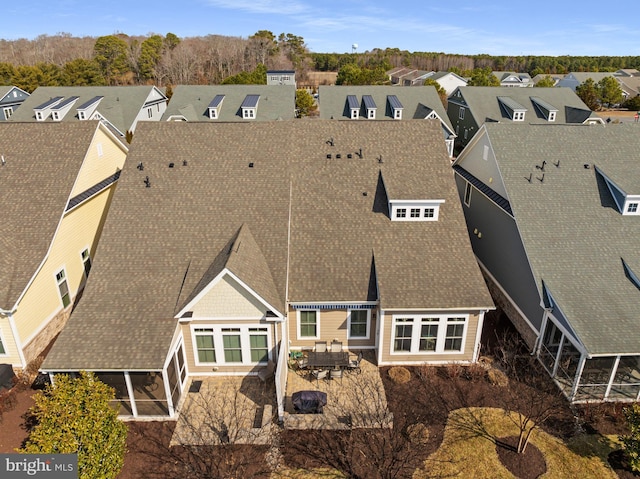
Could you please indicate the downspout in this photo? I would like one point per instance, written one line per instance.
(16, 339)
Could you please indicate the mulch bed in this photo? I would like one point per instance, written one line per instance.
(620, 465)
(528, 465)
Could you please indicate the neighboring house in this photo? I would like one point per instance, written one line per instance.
(281, 77)
(118, 107)
(410, 77)
(375, 103)
(513, 79)
(630, 85)
(553, 217)
(11, 97)
(396, 74)
(56, 183)
(447, 80)
(227, 247)
(555, 77)
(222, 103)
(470, 107)
(573, 79)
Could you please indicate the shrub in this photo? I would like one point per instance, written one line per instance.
(631, 443)
(399, 375)
(74, 416)
(497, 377)
(418, 434)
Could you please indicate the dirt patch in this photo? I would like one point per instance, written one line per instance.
(620, 464)
(528, 465)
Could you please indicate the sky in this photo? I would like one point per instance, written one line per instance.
(541, 27)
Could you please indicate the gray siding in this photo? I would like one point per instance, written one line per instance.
(501, 251)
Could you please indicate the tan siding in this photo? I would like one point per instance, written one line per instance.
(190, 353)
(467, 355)
(80, 228)
(228, 299)
(12, 355)
(333, 325)
(96, 168)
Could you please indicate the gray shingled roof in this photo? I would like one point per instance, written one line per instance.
(332, 101)
(120, 105)
(161, 244)
(484, 105)
(42, 162)
(574, 236)
(277, 102)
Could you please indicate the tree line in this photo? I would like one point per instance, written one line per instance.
(120, 59)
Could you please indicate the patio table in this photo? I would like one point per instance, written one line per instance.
(327, 359)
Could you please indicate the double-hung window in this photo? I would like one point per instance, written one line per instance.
(359, 323)
(63, 288)
(259, 344)
(204, 345)
(418, 334)
(308, 326)
(230, 344)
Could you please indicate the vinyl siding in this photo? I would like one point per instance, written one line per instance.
(96, 168)
(80, 228)
(227, 298)
(333, 325)
(466, 355)
(11, 355)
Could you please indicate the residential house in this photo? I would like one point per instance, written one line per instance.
(220, 103)
(410, 77)
(449, 81)
(470, 107)
(281, 77)
(514, 79)
(396, 74)
(221, 255)
(56, 183)
(385, 103)
(118, 107)
(573, 79)
(552, 213)
(11, 97)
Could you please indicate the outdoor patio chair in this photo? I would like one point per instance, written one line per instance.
(302, 363)
(321, 347)
(319, 374)
(336, 346)
(354, 364)
(336, 373)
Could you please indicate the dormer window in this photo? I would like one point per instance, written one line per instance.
(396, 107)
(214, 107)
(632, 208)
(626, 203)
(369, 106)
(43, 111)
(354, 107)
(546, 109)
(59, 111)
(415, 210)
(514, 109)
(250, 106)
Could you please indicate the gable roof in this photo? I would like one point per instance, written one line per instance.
(192, 102)
(575, 238)
(6, 90)
(120, 105)
(42, 162)
(332, 101)
(484, 103)
(287, 205)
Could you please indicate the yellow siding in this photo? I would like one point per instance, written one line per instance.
(95, 167)
(333, 325)
(228, 299)
(466, 355)
(79, 229)
(8, 341)
(189, 349)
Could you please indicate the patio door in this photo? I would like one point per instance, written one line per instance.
(177, 374)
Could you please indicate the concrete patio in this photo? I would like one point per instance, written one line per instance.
(356, 400)
(227, 410)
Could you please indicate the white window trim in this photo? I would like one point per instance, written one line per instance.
(627, 204)
(249, 113)
(368, 329)
(421, 205)
(467, 194)
(416, 329)
(213, 113)
(87, 248)
(4, 346)
(461, 113)
(518, 115)
(7, 111)
(63, 269)
(299, 336)
(397, 114)
(552, 116)
(218, 344)
(355, 114)
(371, 114)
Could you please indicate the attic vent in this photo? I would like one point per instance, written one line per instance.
(140, 166)
(349, 155)
(147, 182)
(329, 142)
(338, 156)
(184, 163)
(328, 156)
(251, 165)
(586, 166)
(171, 165)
